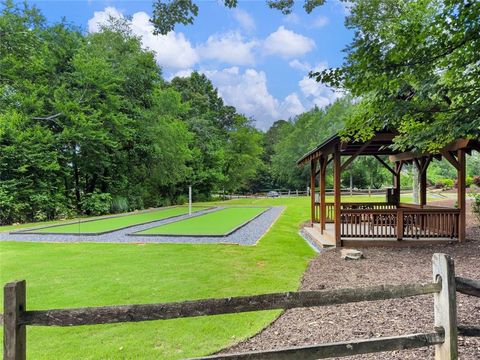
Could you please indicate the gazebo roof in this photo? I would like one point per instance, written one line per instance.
(380, 144)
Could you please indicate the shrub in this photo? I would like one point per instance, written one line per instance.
(445, 184)
(97, 203)
(476, 180)
(10, 209)
(181, 199)
(468, 181)
(476, 205)
(119, 204)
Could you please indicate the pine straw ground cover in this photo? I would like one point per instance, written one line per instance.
(379, 318)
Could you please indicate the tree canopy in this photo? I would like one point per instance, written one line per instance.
(413, 65)
(88, 119)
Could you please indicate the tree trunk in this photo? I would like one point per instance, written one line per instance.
(416, 181)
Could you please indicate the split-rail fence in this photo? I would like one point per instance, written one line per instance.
(443, 335)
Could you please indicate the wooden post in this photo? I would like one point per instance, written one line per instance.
(312, 189)
(337, 194)
(14, 334)
(399, 223)
(461, 201)
(423, 182)
(445, 306)
(396, 181)
(323, 208)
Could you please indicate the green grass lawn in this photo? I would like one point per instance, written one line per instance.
(88, 274)
(219, 222)
(115, 223)
(78, 274)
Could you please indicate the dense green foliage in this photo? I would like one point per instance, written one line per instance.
(88, 124)
(415, 66)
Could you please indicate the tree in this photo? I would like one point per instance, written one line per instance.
(414, 66)
(306, 131)
(242, 155)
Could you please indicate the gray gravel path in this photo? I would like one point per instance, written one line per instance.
(247, 235)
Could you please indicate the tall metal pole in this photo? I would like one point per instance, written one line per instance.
(190, 200)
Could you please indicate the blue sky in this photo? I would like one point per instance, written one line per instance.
(256, 57)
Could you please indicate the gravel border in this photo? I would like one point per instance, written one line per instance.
(247, 235)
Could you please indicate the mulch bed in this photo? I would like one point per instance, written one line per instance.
(308, 326)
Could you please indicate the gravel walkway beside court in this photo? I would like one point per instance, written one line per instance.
(247, 235)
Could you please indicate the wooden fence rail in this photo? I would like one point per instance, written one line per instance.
(16, 317)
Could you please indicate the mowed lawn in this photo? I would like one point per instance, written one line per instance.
(63, 275)
(116, 222)
(220, 222)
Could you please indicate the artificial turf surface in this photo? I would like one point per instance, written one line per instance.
(115, 223)
(219, 222)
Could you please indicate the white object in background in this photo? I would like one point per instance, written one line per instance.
(189, 200)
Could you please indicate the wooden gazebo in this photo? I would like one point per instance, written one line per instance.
(389, 223)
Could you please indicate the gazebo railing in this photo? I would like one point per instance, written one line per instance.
(400, 223)
(329, 208)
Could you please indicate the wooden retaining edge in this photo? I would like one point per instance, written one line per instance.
(468, 286)
(274, 301)
(346, 348)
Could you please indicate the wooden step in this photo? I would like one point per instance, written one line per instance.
(324, 240)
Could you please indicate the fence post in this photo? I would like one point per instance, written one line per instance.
(445, 306)
(14, 334)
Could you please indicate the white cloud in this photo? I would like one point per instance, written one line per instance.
(299, 65)
(181, 73)
(287, 43)
(102, 18)
(291, 106)
(317, 93)
(292, 18)
(172, 51)
(320, 21)
(229, 48)
(248, 92)
(244, 19)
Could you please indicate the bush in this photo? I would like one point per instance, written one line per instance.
(445, 184)
(476, 180)
(119, 204)
(476, 205)
(181, 199)
(11, 210)
(97, 203)
(468, 181)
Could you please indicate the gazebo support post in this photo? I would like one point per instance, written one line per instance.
(461, 201)
(423, 184)
(323, 208)
(397, 182)
(312, 189)
(337, 194)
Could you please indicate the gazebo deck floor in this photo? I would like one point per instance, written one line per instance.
(327, 239)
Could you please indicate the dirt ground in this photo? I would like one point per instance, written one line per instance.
(310, 326)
